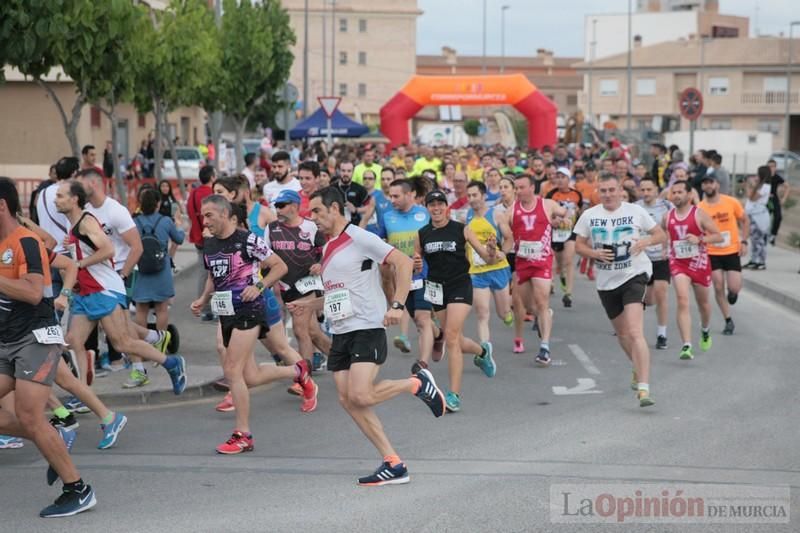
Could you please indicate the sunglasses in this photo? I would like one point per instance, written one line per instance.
(366, 178)
(281, 205)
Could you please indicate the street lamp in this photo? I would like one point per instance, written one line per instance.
(630, 69)
(788, 132)
(503, 38)
(592, 46)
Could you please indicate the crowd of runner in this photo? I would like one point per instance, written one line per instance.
(347, 244)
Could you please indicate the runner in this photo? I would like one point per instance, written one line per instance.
(442, 244)
(351, 279)
(281, 177)
(726, 265)
(658, 286)
(530, 223)
(615, 234)
(690, 230)
(30, 344)
(563, 238)
(308, 175)
(234, 259)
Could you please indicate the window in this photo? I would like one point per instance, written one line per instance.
(775, 84)
(94, 117)
(342, 89)
(142, 120)
(342, 58)
(717, 86)
(609, 87)
(572, 99)
(645, 87)
(362, 90)
(769, 125)
(720, 124)
(362, 25)
(343, 25)
(362, 58)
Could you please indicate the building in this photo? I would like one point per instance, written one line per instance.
(743, 82)
(361, 50)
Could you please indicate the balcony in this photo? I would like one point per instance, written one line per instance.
(769, 98)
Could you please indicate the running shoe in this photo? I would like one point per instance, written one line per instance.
(74, 405)
(386, 474)
(238, 443)
(178, 375)
(563, 281)
(438, 347)
(402, 344)
(70, 503)
(634, 381)
(429, 393)
(296, 389)
(686, 353)
(644, 399)
(567, 300)
(319, 361)
(175, 339)
(486, 362)
(418, 365)
(729, 327)
(69, 422)
(164, 338)
(453, 402)
(111, 431)
(732, 297)
(543, 359)
(519, 347)
(303, 372)
(705, 340)
(226, 405)
(508, 320)
(68, 436)
(310, 393)
(8, 442)
(528, 317)
(136, 379)
(759, 266)
(661, 342)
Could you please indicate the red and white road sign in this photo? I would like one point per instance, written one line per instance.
(329, 104)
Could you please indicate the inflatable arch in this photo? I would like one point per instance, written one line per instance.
(512, 89)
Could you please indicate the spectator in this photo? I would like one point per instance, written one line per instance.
(250, 164)
(108, 160)
(758, 192)
(89, 159)
(193, 204)
(779, 192)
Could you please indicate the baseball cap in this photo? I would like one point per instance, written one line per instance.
(590, 166)
(563, 170)
(287, 196)
(435, 196)
(710, 176)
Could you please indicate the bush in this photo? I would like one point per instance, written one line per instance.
(472, 127)
(794, 240)
(789, 203)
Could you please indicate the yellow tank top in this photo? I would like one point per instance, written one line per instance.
(483, 229)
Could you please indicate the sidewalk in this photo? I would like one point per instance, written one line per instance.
(780, 282)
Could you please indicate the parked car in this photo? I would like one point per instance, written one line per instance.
(190, 160)
(793, 173)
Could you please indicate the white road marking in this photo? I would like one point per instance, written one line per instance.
(585, 386)
(583, 359)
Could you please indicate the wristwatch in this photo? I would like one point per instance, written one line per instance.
(67, 293)
(260, 286)
(398, 305)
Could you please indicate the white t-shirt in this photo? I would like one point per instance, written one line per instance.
(272, 188)
(116, 220)
(618, 229)
(251, 177)
(50, 219)
(352, 280)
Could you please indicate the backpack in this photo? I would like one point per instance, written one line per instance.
(153, 252)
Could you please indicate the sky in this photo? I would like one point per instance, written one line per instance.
(557, 26)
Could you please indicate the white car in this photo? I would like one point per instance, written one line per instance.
(190, 161)
(793, 163)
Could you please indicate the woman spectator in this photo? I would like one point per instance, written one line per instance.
(758, 193)
(170, 207)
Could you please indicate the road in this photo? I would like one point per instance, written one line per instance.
(726, 418)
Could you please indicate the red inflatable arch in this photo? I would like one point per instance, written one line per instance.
(512, 89)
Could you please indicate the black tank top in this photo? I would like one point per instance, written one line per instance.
(444, 249)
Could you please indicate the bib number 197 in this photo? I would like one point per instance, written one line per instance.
(338, 305)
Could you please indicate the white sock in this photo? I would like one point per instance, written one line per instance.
(662, 331)
(152, 336)
(139, 367)
(644, 386)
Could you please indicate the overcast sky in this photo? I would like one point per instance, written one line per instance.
(556, 25)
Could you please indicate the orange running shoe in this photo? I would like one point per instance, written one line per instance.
(310, 392)
(238, 443)
(226, 405)
(295, 389)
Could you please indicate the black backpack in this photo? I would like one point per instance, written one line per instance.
(153, 252)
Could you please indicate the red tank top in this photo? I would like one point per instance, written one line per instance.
(679, 229)
(532, 233)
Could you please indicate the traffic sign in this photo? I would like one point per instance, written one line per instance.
(690, 103)
(285, 119)
(329, 104)
(288, 93)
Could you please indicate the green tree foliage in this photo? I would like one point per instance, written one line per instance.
(471, 126)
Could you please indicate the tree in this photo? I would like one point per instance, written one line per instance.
(256, 42)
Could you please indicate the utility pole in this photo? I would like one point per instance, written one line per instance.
(324, 46)
(305, 59)
(592, 46)
(483, 71)
(788, 133)
(630, 67)
(333, 47)
(503, 38)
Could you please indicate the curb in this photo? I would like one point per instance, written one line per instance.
(778, 297)
(162, 396)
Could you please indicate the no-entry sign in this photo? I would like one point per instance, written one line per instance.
(691, 103)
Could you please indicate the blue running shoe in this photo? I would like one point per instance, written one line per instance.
(178, 374)
(543, 359)
(486, 362)
(68, 436)
(71, 503)
(386, 474)
(74, 405)
(10, 443)
(402, 344)
(453, 401)
(111, 431)
(429, 393)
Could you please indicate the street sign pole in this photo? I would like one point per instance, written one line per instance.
(330, 134)
(692, 124)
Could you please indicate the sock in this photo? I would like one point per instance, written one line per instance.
(76, 486)
(687, 344)
(662, 331)
(415, 383)
(393, 460)
(108, 418)
(483, 352)
(140, 367)
(440, 335)
(728, 320)
(705, 329)
(171, 362)
(61, 412)
(545, 345)
(644, 386)
(152, 336)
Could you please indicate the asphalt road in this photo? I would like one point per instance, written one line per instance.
(728, 418)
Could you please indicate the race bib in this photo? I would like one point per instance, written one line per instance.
(477, 260)
(434, 292)
(416, 284)
(308, 284)
(530, 249)
(726, 240)
(49, 335)
(222, 303)
(338, 305)
(561, 235)
(685, 249)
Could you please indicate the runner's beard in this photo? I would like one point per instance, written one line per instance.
(279, 177)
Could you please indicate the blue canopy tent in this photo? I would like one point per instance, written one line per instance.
(317, 126)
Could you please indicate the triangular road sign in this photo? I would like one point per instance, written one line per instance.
(329, 104)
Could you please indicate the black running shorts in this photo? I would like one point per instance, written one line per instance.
(660, 272)
(728, 263)
(242, 322)
(615, 300)
(361, 346)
